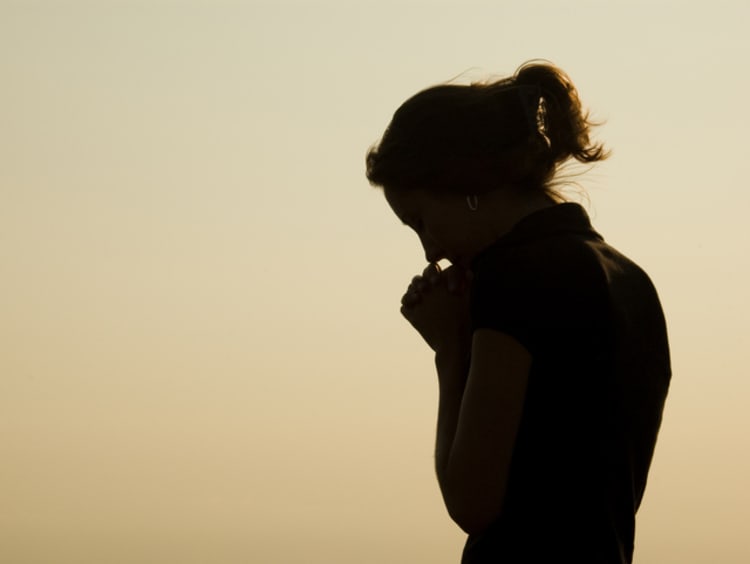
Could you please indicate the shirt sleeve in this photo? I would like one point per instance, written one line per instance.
(506, 300)
(542, 299)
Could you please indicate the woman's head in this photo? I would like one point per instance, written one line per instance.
(472, 139)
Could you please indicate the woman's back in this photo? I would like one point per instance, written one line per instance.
(592, 322)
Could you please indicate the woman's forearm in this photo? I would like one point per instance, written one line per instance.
(452, 370)
(479, 417)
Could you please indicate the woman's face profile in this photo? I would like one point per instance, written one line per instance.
(433, 218)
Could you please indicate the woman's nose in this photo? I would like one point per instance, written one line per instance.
(431, 250)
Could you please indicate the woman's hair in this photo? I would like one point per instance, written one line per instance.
(474, 138)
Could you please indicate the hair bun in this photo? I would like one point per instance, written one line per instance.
(566, 125)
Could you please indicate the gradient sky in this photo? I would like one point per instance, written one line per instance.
(201, 356)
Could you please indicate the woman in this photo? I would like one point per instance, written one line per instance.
(550, 346)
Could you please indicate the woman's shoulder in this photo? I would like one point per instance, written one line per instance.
(548, 262)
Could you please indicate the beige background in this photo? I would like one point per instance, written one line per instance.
(201, 357)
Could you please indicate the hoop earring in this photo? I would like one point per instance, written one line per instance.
(472, 202)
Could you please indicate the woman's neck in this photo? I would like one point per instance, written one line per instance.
(496, 214)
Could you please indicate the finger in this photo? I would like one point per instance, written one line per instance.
(432, 273)
(410, 298)
(406, 312)
(418, 283)
(432, 269)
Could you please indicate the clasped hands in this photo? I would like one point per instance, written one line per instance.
(436, 303)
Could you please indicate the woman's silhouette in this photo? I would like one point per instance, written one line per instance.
(550, 346)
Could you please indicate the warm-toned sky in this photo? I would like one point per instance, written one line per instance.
(201, 356)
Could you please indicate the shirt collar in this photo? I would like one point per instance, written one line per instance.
(566, 218)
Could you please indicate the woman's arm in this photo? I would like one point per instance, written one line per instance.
(477, 426)
(482, 379)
